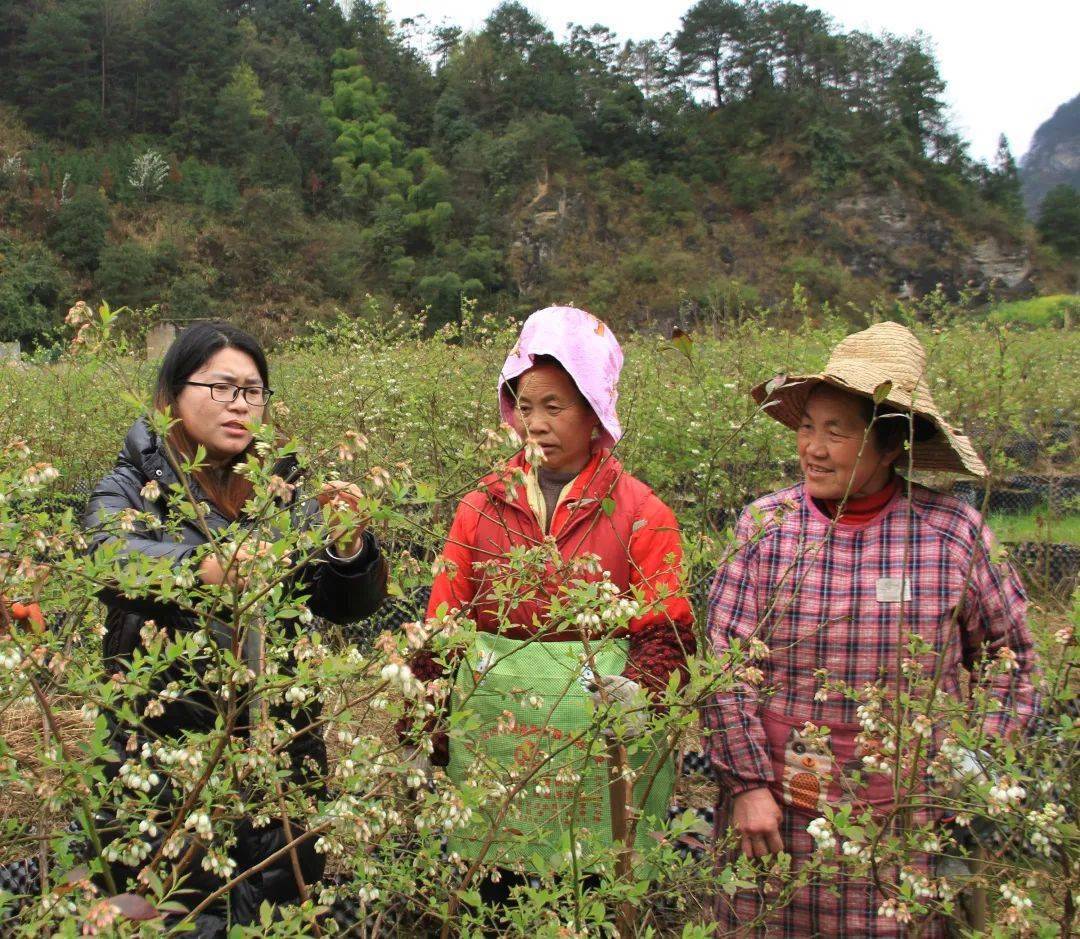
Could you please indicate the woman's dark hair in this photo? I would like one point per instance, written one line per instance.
(191, 350)
(511, 386)
(889, 427)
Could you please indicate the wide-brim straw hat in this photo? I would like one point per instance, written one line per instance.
(886, 363)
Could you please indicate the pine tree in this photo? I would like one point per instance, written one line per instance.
(1059, 220)
(913, 92)
(240, 115)
(406, 192)
(370, 152)
(707, 46)
(1001, 183)
(57, 71)
(192, 44)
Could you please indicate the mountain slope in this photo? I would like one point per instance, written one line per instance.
(281, 161)
(1054, 157)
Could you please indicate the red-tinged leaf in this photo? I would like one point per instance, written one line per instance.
(77, 874)
(690, 841)
(681, 340)
(132, 906)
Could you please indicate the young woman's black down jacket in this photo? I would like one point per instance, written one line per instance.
(342, 592)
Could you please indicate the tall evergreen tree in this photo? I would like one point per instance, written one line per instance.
(708, 46)
(1001, 183)
(375, 167)
(515, 29)
(57, 76)
(1059, 220)
(192, 45)
(913, 92)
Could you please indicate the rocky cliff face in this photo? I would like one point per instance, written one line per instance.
(890, 238)
(1003, 265)
(917, 250)
(541, 226)
(1054, 157)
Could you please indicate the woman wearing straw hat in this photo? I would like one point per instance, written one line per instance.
(564, 495)
(835, 575)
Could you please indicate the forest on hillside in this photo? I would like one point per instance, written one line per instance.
(285, 159)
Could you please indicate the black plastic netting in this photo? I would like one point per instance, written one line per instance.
(1023, 493)
(1037, 517)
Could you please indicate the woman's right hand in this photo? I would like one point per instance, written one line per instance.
(213, 574)
(756, 817)
(338, 498)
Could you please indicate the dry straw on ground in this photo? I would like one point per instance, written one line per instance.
(26, 738)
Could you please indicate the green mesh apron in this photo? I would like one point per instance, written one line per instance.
(572, 804)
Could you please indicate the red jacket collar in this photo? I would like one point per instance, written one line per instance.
(595, 481)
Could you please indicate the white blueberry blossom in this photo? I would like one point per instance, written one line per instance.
(821, 831)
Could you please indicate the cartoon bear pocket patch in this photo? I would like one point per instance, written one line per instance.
(808, 764)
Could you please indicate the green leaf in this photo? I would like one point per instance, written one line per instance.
(608, 505)
(682, 341)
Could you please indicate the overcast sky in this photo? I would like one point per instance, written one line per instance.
(1008, 65)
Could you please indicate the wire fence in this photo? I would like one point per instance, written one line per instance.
(1037, 517)
(1057, 496)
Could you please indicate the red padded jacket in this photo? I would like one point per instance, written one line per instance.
(634, 535)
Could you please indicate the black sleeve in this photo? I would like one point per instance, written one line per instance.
(116, 493)
(346, 591)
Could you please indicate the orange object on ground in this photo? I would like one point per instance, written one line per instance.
(27, 613)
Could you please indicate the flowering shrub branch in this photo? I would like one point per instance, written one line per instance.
(164, 812)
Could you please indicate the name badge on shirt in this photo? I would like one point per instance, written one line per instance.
(890, 589)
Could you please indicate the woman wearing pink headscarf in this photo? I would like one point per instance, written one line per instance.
(558, 390)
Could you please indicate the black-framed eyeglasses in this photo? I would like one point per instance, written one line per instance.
(255, 395)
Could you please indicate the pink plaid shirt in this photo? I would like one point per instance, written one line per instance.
(828, 599)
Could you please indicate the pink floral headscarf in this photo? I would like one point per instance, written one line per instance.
(582, 345)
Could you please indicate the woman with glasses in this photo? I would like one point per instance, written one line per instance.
(215, 382)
